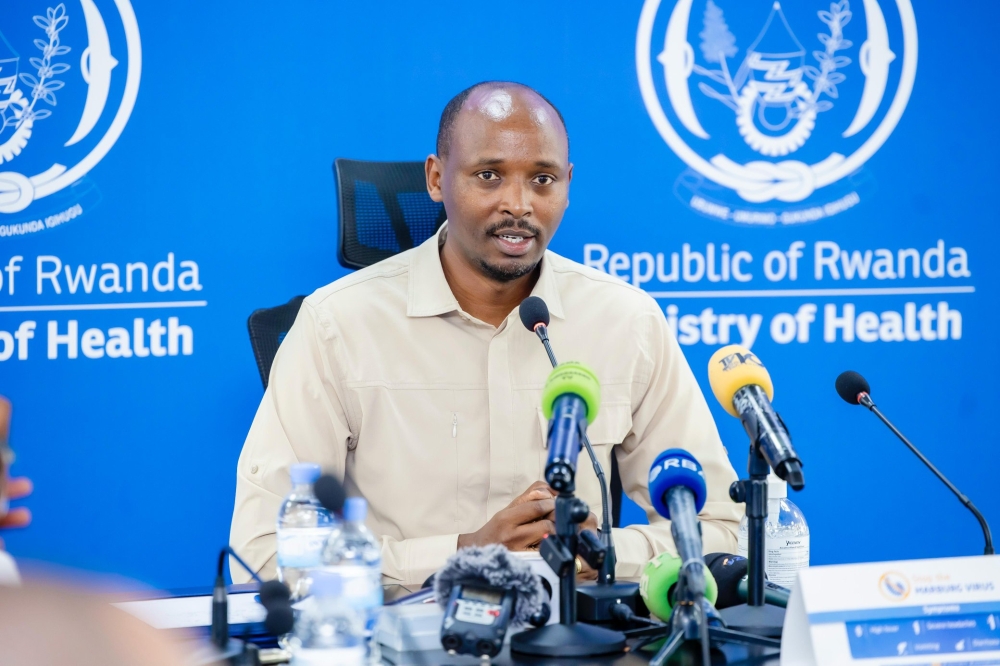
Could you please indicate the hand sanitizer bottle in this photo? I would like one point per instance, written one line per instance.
(786, 539)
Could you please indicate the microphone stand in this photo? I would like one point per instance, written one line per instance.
(568, 638)
(694, 619)
(559, 550)
(755, 616)
(866, 400)
(234, 651)
(594, 602)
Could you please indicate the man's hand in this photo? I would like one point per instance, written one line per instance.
(589, 524)
(586, 573)
(21, 516)
(521, 525)
(12, 488)
(525, 521)
(536, 491)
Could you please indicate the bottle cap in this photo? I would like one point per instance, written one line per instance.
(326, 584)
(304, 473)
(355, 509)
(777, 488)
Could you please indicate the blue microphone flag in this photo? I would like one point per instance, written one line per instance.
(675, 467)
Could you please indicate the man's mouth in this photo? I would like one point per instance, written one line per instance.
(514, 243)
(513, 239)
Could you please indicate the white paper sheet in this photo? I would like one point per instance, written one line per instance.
(184, 612)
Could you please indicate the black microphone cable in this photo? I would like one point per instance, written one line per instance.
(534, 315)
(273, 595)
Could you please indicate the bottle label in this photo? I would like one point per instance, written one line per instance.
(362, 586)
(785, 556)
(301, 547)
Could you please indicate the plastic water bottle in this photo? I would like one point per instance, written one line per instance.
(786, 541)
(354, 554)
(303, 528)
(328, 631)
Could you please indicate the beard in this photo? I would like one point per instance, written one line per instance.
(511, 271)
(507, 273)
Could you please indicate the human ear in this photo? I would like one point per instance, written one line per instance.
(569, 179)
(433, 169)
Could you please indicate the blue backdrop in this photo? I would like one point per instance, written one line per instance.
(197, 139)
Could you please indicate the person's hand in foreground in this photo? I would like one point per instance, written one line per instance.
(524, 523)
(10, 488)
(21, 516)
(43, 623)
(521, 525)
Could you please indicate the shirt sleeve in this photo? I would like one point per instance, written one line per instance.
(669, 411)
(307, 416)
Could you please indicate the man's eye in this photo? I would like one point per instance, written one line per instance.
(544, 179)
(488, 175)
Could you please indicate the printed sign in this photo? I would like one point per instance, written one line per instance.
(943, 611)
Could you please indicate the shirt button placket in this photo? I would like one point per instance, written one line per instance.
(502, 454)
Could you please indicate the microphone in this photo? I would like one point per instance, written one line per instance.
(854, 389)
(570, 400)
(678, 492)
(276, 598)
(482, 590)
(743, 387)
(658, 585)
(330, 493)
(534, 315)
(774, 594)
(273, 595)
(732, 574)
(219, 634)
(728, 570)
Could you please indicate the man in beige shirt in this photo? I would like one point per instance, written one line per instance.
(415, 382)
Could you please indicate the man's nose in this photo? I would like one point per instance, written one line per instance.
(516, 199)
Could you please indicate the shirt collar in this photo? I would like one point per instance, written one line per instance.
(429, 293)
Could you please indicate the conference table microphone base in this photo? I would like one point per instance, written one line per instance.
(568, 640)
(594, 601)
(765, 620)
(688, 626)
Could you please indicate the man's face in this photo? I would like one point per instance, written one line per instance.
(504, 182)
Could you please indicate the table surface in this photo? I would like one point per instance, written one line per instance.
(690, 655)
(730, 655)
(734, 655)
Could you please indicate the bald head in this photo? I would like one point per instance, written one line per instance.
(496, 101)
(502, 171)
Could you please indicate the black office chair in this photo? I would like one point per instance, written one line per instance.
(268, 327)
(384, 209)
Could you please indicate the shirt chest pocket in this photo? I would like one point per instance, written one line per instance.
(611, 427)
